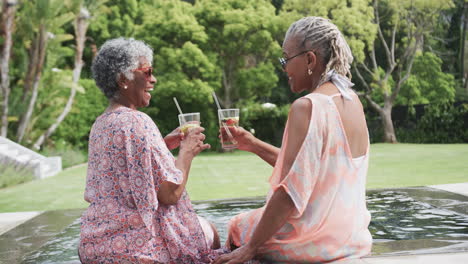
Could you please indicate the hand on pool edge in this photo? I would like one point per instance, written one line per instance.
(240, 255)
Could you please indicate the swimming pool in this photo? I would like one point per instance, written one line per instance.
(404, 221)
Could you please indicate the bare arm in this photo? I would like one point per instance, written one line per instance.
(169, 193)
(280, 206)
(248, 142)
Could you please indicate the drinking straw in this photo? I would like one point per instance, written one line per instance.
(216, 100)
(224, 125)
(177, 104)
(178, 107)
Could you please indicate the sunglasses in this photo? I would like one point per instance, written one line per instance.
(148, 71)
(284, 61)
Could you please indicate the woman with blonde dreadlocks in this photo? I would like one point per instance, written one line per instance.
(316, 209)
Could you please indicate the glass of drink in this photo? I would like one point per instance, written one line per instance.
(228, 118)
(188, 121)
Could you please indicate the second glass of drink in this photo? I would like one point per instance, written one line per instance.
(228, 118)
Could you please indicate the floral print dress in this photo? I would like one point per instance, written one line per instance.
(124, 223)
(327, 187)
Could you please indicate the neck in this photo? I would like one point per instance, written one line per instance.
(117, 102)
(316, 79)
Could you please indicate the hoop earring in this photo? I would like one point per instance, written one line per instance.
(309, 71)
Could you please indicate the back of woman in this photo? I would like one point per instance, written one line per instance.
(316, 208)
(352, 116)
(327, 186)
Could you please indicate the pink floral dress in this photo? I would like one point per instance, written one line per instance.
(327, 187)
(124, 223)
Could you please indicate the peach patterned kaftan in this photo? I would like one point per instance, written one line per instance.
(327, 187)
(124, 223)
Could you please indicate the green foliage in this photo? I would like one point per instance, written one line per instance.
(439, 124)
(50, 13)
(182, 68)
(353, 17)
(448, 40)
(118, 20)
(428, 83)
(267, 122)
(75, 128)
(212, 45)
(379, 90)
(241, 37)
(13, 174)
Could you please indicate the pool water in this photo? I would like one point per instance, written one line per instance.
(403, 221)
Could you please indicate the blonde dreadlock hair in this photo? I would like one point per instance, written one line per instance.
(322, 36)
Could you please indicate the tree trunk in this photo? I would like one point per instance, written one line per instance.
(385, 114)
(81, 26)
(387, 123)
(32, 69)
(41, 44)
(7, 22)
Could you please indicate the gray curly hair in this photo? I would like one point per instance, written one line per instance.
(322, 36)
(115, 57)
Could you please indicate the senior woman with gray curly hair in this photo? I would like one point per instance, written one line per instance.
(316, 208)
(139, 210)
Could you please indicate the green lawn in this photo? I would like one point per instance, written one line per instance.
(240, 174)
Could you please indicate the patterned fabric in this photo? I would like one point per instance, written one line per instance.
(327, 187)
(124, 223)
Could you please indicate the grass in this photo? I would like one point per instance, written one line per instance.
(240, 174)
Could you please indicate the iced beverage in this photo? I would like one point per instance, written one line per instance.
(189, 121)
(228, 118)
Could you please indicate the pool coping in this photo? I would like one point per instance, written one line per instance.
(9, 221)
(460, 188)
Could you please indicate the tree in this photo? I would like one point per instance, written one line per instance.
(402, 26)
(118, 19)
(81, 23)
(182, 69)
(40, 18)
(461, 53)
(354, 18)
(428, 84)
(242, 45)
(6, 31)
(448, 41)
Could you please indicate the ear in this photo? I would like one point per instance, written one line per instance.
(122, 81)
(311, 60)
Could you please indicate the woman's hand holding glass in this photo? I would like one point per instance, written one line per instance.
(192, 142)
(173, 139)
(245, 139)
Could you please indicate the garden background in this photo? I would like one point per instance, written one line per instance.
(410, 70)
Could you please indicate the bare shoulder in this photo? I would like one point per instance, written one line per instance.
(301, 107)
(301, 110)
(300, 114)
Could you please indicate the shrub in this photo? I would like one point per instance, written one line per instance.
(14, 173)
(71, 156)
(268, 122)
(438, 124)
